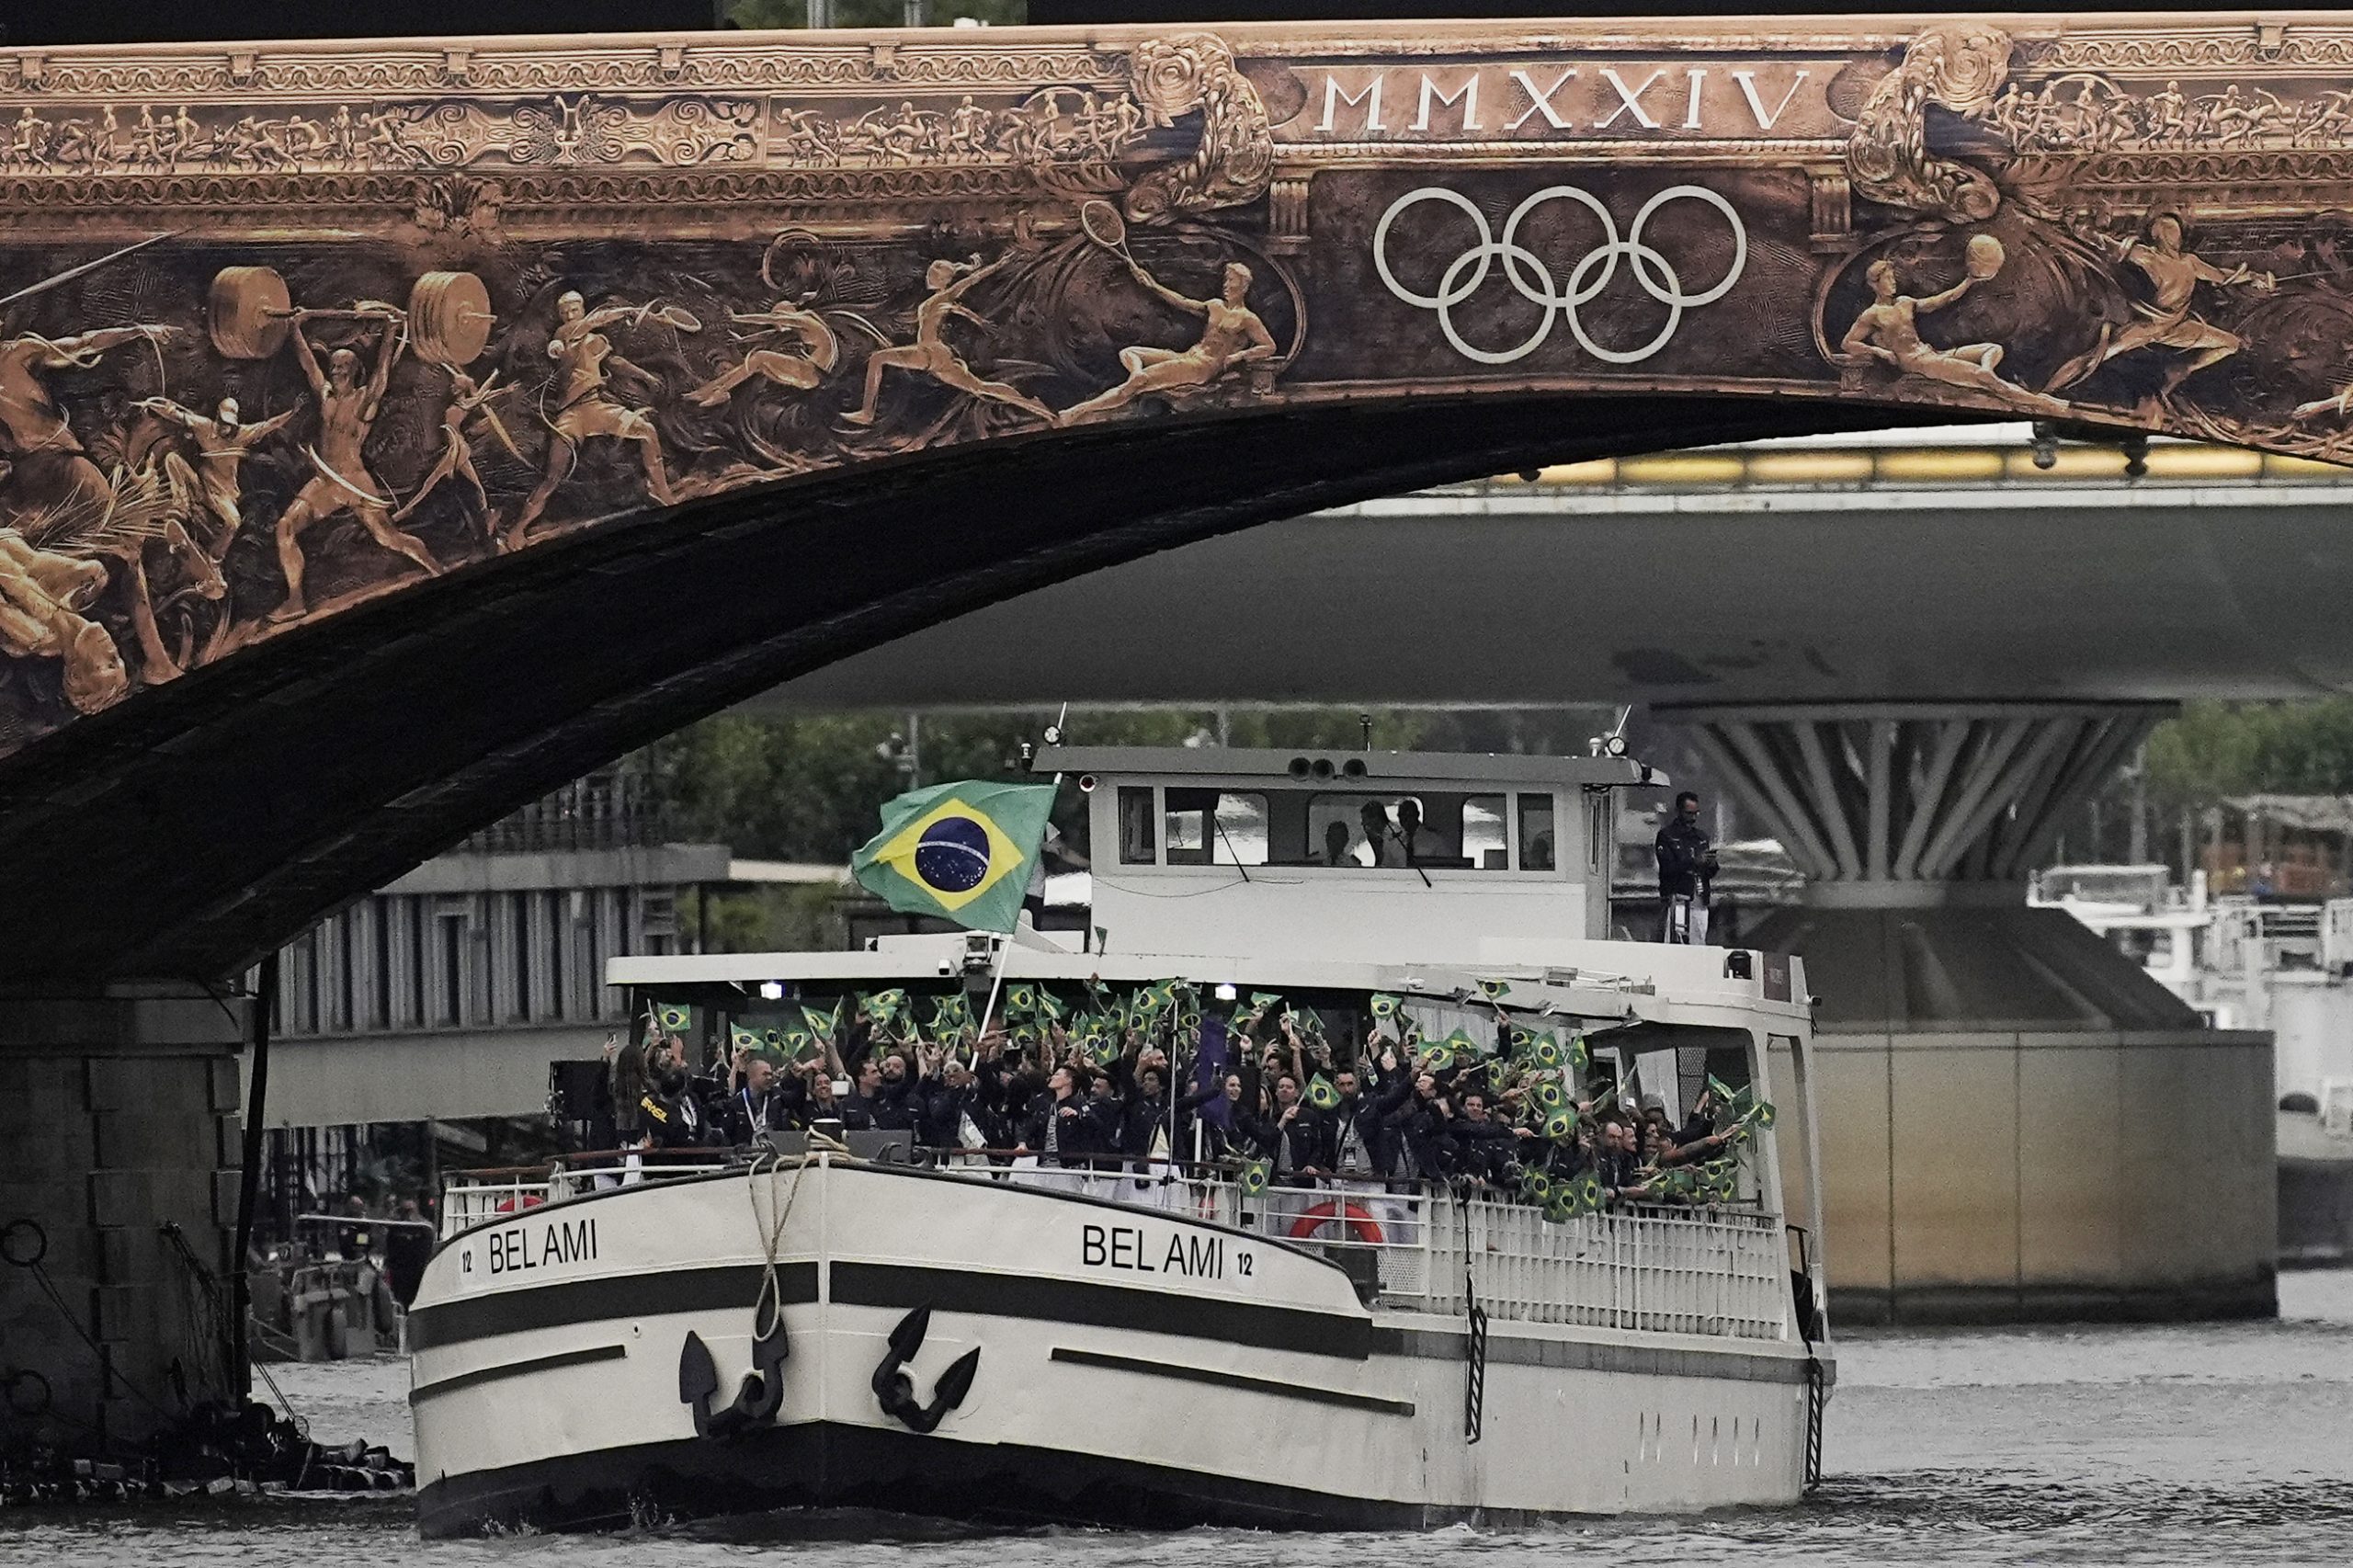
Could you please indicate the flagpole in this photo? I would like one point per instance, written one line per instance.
(1005, 953)
(996, 983)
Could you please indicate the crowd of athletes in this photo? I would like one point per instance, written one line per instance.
(1276, 1104)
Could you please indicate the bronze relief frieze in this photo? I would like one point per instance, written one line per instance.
(287, 327)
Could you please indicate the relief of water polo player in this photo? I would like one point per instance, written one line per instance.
(2166, 320)
(1232, 336)
(348, 407)
(1888, 330)
(584, 408)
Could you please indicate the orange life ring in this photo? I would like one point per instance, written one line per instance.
(1361, 1225)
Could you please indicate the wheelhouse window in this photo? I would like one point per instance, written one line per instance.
(1212, 827)
(1536, 839)
(1428, 829)
(1136, 844)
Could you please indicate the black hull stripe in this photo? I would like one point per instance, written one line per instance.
(594, 1300)
(518, 1368)
(899, 1472)
(1216, 1379)
(903, 1287)
(1103, 1306)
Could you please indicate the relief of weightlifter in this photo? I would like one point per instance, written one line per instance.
(348, 408)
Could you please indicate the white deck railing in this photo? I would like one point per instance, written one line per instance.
(1716, 1271)
(1712, 1271)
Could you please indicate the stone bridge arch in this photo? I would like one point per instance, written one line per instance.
(585, 385)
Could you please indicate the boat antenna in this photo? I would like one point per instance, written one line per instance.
(1614, 743)
(1366, 720)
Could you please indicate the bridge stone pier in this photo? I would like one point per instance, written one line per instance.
(2017, 1122)
(119, 1110)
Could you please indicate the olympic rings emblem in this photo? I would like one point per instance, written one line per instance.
(1592, 272)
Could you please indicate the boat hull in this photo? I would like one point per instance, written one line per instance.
(1136, 1369)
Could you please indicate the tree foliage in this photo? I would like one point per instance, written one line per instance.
(2215, 750)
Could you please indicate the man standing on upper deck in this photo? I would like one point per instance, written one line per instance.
(1686, 866)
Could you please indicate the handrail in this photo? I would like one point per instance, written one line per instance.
(1700, 1268)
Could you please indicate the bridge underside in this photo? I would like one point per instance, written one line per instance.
(2072, 591)
(186, 832)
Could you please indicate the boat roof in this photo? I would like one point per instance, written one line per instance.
(1323, 766)
(1587, 984)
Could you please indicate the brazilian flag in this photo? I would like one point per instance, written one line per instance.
(826, 1028)
(961, 851)
(1320, 1095)
(671, 1018)
(741, 1039)
(1536, 1187)
(1384, 1006)
(1495, 989)
(1546, 1052)
(800, 1045)
(1464, 1048)
(772, 1038)
(1552, 1096)
(1255, 1174)
(1759, 1113)
(1560, 1205)
(883, 1007)
(1560, 1125)
(951, 1016)
(1580, 1055)
(1021, 1000)
(1586, 1193)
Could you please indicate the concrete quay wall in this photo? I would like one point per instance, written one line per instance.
(1985, 1175)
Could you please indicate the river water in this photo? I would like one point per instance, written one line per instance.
(2230, 1444)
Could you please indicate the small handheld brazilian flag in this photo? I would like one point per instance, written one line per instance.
(674, 1019)
(1320, 1095)
(1255, 1174)
(961, 851)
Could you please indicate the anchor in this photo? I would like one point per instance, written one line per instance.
(896, 1390)
(757, 1400)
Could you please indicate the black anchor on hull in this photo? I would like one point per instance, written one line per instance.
(896, 1390)
(759, 1398)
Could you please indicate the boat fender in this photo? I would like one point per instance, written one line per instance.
(895, 1392)
(758, 1399)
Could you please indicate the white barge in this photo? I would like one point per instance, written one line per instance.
(989, 1341)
